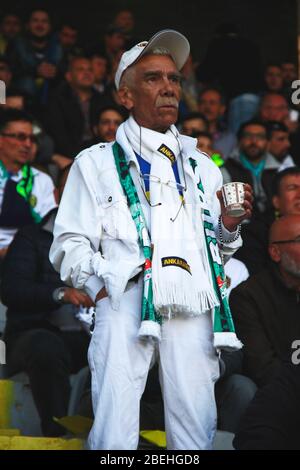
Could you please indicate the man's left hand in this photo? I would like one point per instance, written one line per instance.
(231, 223)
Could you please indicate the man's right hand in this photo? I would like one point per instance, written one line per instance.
(101, 294)
(77, 297)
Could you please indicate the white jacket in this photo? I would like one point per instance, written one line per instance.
(93, 215)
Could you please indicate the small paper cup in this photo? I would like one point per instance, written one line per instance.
(233, 196)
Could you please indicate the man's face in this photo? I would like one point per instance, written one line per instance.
(191, 126)
(274, 78)
(154, 96)
(253, 142)
(274, 108)
(290, 252)
(287, 202)
(279, 144)
(12, 149)
(68, 36)
(211, 105)
(108, 124)
(11, 26)
(80, 74)
(39, 24)
(99, 66)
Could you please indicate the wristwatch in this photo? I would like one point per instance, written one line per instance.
(59, 294)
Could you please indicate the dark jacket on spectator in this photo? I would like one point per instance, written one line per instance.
(267, 320)
(254, 251)
(64, 120)
(272, 421)
(29, 280)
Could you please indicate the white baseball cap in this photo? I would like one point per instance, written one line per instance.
(173, 41)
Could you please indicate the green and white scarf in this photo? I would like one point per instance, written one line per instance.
(224, 334)
(23, 187)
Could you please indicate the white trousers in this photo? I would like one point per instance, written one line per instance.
(120, 362)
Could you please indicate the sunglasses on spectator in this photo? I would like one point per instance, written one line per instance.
(20, 136)
(295, 240)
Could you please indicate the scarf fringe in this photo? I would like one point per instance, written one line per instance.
(169, 303)
(150, 329)
(227, 341)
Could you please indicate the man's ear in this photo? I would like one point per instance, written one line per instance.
(274, 253)
(126, 98)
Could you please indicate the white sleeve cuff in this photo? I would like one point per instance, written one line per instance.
(93, 285)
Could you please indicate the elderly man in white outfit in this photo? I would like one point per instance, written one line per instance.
(143, 230)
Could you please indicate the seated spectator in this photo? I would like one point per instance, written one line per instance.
(274, 107)
(194, 122)
(279, 144)
(10, 28)
(273, 78)
(212, 106)
(205, 142)
(251, 164)
(67, 37)
(99, 66)
(114, 45)
(125, 20)
(266, 307)
(286, 191)
(34, 57)
(272, 420)
(72, 110)
(190, 89)
(289, 72)
(26, 194)
(108, 122)
(44, 153)
(42, 335)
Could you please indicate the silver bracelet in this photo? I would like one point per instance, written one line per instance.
(236, 236)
